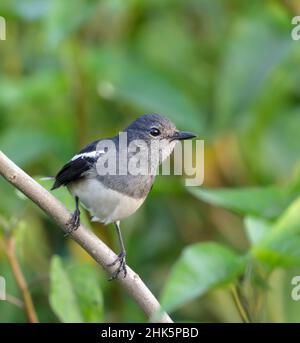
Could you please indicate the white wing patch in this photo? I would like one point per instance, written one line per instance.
(91, 154)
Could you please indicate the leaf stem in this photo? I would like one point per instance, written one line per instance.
(240, 307)
(20, 279)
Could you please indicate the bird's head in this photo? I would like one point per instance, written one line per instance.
(154, 127)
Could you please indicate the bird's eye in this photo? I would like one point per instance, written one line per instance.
(154, 132)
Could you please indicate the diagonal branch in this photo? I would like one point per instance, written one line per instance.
(88, 241)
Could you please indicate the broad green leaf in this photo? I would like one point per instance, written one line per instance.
(256, 228)
(281, 246)
(147, 89)
(62, 295)
(75, 294)
(256, 46)
(85, 283)
(66, 17)
(34, 145)
(200, 268)
(141, 85)
(265, 202)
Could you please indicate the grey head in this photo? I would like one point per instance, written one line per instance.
(154, 126)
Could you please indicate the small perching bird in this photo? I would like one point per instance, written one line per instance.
(112, 195)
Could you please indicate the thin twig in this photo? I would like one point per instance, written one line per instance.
(239, 305)
(14, 301)
(20, 279)
(84, 237)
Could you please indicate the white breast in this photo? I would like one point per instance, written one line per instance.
(105, 205)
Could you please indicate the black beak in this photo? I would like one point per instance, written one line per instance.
(182, 135)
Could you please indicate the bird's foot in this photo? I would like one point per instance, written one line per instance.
(121, 268)
(74, 223)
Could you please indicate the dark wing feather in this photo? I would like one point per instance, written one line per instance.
(71, 171)
(75, 169)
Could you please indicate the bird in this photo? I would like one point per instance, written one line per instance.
(113, 197)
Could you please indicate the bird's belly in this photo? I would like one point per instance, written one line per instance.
(105, 205)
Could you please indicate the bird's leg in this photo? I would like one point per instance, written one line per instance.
(121, 257)
(74, 222)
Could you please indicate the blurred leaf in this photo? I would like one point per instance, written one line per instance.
(276, 134)
(75, 294)
(273, 128)
(32, 9)
(42, 86)
(280, 247)
(284, 289)
(86, 282)
(29, 234)
(256, 46)
(34, 145)
(148, 89)
(29, 10)
(200, 268)
(265, 202)
(66, 17)
(256, 229)
(10, 207)
(62, 296)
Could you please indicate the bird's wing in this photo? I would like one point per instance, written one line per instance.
(78, 165)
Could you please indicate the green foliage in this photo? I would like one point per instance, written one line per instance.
(201, 267)
(240, 86)
(85, 281)
(280, 246)
(75, 295)
(256, 229)
(57, 27)
(62, 297)
(144, 87)
(35, 144)
(266, 202)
